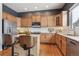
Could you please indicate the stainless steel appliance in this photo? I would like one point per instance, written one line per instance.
(36, 28)
(36, 25)
(8, 30)
(72, 47)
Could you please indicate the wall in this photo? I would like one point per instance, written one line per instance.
(0, 26)
(9, 10)
(53, 11)
(66, 8)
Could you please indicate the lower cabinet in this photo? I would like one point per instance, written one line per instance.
(58, 40)
(61, 43)
(47, 38)
(67, 46)
(42, 38)
(64, 46)
(7, 52)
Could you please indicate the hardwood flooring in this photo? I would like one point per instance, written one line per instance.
(49, 50)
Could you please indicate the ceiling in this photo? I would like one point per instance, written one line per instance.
(26, 7)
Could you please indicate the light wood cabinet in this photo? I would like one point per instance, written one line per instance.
(49, 38)
(64, 45)
(58, 19)
(4, 15)
(36, 18)
(29, 22)
(7, 52)
(33, 18)
(18, 22)
(42, 37)
(26, 21)
(9, 17)
(44, 21)
(57, 39)
(61, 42)
(51, 20)
(46, 38)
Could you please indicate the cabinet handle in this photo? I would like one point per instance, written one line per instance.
(72, 43)
(60, 41)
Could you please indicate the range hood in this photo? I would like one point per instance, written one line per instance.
(36, 24)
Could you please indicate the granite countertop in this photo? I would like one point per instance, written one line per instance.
(71, 37)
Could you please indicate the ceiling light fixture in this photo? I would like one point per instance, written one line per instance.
(25, 9)
(36, 7)
(46, 6)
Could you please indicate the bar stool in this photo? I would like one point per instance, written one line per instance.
(27, 43)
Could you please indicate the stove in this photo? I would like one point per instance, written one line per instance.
(36, 30)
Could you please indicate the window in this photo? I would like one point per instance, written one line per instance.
(74, 15)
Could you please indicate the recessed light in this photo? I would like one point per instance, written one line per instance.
(47, 6)
(36, 7)
(25, 8)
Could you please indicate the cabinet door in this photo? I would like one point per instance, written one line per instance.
(58, 19)
(14, 18)
(64, 44)
(48, 38)
(4, 15)
(24, 22)
(53, 40)
(57, 40)
(10, 17)
(18, 21)
(29, 21)
(43, 21)
(42, 38)
(37, 18)
(33, 18)
(60, 42)
(51, 20)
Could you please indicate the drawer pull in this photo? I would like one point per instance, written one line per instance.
(72, 43)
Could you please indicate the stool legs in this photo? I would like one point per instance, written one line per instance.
(28, 52)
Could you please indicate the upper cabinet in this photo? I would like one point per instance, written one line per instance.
(4, 15)
(8, 16)
(26, 21)
(36, 18)
(33, 18)
(44, 21)
(58, 19)
(51, 21)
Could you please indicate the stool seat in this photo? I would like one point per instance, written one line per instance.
(27, 43)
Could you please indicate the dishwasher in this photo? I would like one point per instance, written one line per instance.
(72, 47)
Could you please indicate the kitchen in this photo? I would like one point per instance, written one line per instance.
(43, 29)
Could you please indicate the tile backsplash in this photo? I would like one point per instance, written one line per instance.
(77, 30)
(64, 30)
